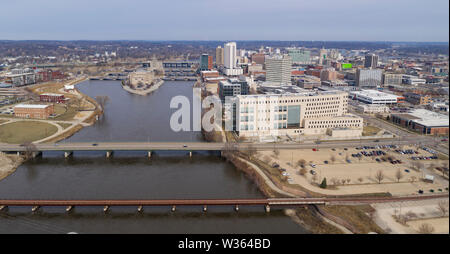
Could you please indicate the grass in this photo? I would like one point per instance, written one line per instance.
(25, 131)
(313, 223)
(3, 121)
(60, 109)
(64, 125)
(356, 216)
(370, 130)
(68, 115)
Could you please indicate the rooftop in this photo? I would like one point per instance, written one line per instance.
(41, 106)
(426, 117)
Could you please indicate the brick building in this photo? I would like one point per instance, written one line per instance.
(33, 111)
(52, 97)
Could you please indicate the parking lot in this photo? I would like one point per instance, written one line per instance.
(347, 174)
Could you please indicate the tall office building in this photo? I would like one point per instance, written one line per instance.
(230, 55)
(206, 62)
(300, 56)
(219, 56)
(371, 61)
(322, 55)
(369, 77)
(278, 69)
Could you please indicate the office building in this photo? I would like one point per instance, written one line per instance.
(328, 74)
(417, 99)
(392, 79)
(219, 56)
(376, 97)
(322, 55)
(230, 55)
(233, 87)
(299, 56)
(307, 113)
(206, 62)
(278, 69)
(368, 77)
(371, 61)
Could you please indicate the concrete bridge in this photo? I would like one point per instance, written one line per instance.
(266, 202)
(110, 147)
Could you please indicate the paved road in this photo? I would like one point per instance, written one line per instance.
(200, 146)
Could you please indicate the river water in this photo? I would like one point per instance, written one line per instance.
(130, 175)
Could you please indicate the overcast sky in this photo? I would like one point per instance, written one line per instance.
(342, 20)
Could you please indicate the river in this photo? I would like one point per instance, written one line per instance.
(130, 175)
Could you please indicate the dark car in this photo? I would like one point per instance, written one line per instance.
(420, 191)
(326, 162)
(95, 144)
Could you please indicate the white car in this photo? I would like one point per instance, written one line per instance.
(285, 173)
(312, 165)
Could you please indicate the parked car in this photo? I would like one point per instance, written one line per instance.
(312, 172)
(312, 165)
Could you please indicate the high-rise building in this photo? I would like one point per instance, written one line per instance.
(219, 56)
(368, 77)
(322, 55)
(258, 58)
(371, 61)
(206, 62)
(278, 69)
(230, 55)
(300, 56)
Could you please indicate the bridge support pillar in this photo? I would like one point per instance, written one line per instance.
(106, 208)
(140, 208)
(267, 207)
(3, 207)
(190, 154)
(174, 208)
(205, 208)
(67, 154)
(236, 208)
(109, 154)
(36, 154)
(18, 153)
(35, 208)
(69, 208)
(149, 154)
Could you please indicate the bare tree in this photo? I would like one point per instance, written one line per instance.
(30, 149)
(443, 207)
(302, 171)
(276, 152)
(251, 151)
(335, 181)
(301, 163)
(360, 179)
(426, 228)
(332, 158)
(379, 176)
(398, 175)
(343, 181)
(413, 179)
(102, 100)
(314, 178)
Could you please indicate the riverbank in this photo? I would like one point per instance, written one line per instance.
(143, 91)
(8, 164)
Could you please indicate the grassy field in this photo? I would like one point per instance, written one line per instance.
(64, 125)
(68, 115)
(25, 131)
(370, 130)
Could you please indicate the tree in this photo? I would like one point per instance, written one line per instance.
(276, 152)
(360, 179)
(30, 149)
(398, 175)
(379, 176)
(335, 181)
(251, 151)
(301, 163)
(332, 158)
(426, 228)
(102, 100)
(413, 179)
(323, 185)
(443, 207)
(302, 171)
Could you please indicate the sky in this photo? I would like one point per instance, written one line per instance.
(336, 20)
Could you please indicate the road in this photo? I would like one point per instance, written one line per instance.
(200, 146)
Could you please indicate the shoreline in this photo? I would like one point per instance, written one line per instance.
(143, 92)
(9, 164)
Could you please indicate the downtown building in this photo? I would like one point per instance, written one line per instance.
(278, 69)
(294, 114)
(230, 60)
(369, 77)
(371, 61)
